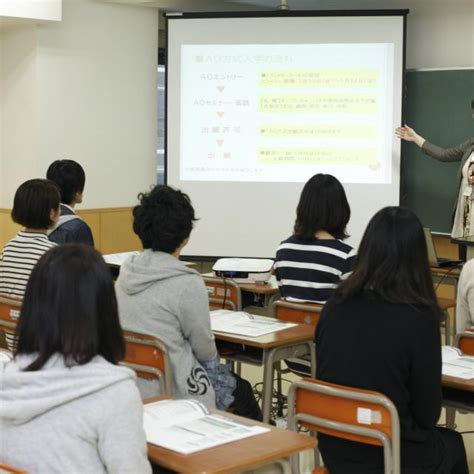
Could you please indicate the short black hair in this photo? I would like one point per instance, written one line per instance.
(33, 202)
(69, 176)
(70, 308)
(163, 219)
(392, 261)
(323, 206)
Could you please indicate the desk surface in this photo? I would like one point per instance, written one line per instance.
(459, 384)
(248, 453)
(116, 260)
(295, 334)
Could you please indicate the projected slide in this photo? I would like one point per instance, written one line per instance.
(281, 113)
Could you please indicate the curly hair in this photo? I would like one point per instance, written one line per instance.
(163, 219)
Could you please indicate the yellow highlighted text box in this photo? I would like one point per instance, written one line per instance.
(317, 131)
(318, 103)
(319, 78)
(334, 156)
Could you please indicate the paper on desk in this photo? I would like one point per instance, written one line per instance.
(462, 367)
(244, 324)
(118, 258)
(193, 430)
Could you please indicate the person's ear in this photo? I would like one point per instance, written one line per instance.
(54, 214)
(78, 197)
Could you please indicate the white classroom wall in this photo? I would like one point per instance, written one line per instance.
(31, 9)
(83, 89)
(440, 33)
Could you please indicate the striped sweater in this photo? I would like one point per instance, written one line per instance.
(309, 271)
(17, 260)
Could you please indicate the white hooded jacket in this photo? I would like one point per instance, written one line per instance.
(79, 419)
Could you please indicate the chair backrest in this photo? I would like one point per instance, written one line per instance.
(301, 313)
(148, 357)
(354, 414)
(9, 312)
(223, 293)
(465, 342)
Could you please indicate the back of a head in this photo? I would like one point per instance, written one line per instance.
(163, 219)
(70, 308)
(69, 176)
(33, 202)
(323, 205)
(392, 260)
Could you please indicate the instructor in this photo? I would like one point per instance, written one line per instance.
(463, 219)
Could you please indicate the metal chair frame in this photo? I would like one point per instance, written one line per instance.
(233, 303)
(391, 445)
(153, 344)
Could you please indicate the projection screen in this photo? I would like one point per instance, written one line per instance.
(256, 105)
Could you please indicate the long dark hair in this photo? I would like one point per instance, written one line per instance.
(70, 308)
(392, 261)
(323, 206)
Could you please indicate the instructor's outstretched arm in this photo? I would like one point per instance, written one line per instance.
(408, 134)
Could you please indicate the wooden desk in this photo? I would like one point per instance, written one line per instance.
(446, 275)
(248, 453)
(288, 343)
(269, 290)
(457, 383)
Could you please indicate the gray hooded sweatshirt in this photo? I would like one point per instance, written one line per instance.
(158, 295)
(80, 419)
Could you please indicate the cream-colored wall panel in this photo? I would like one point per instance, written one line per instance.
(116, 233)
(7, 227)
(92, 218)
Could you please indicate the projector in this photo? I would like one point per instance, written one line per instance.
(244, 269)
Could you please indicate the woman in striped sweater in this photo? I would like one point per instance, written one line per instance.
(36, 208)
(311, 263)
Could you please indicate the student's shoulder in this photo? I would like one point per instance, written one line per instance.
(468, 269)
(343, 247)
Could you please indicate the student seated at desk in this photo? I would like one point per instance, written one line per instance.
(311, 263)
(465, 298)
(160, 296)
(70, 179)
(35, 207)
(380, 331)
(65, 404)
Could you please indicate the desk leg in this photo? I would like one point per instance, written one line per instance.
(450, 418)
(268, 361)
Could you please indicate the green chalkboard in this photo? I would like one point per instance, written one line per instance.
(438, 105)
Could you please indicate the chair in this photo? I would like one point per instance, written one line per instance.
(354, 414)
(465, 342)
(223, 293)
(453, 401)
(301, 313)
(9, 313)
(149, 358)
